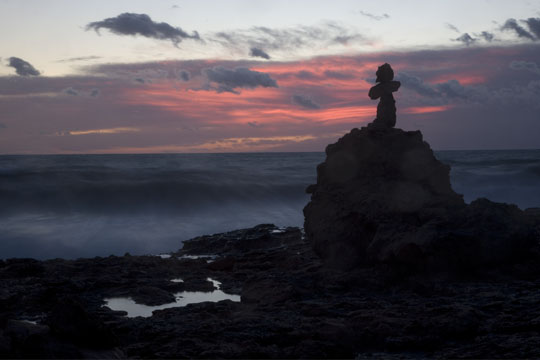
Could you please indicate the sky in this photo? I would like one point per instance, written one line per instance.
(141, 76)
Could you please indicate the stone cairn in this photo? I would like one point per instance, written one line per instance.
(386, 110)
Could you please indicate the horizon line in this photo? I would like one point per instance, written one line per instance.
(233, 152)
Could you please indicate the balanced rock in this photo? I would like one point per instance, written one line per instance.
(386, 110)
(382, 197)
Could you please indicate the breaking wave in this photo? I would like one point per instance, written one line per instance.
(90, 205)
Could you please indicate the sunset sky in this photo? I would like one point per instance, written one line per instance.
(141, 76)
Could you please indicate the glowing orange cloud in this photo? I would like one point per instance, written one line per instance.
(336, 83)
(101, 131)
(462, 78)
(235, 144)
(425, 109)
(315, 97)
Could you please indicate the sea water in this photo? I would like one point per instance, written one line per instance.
(95, 205)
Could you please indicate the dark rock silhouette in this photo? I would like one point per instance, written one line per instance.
(382, 197)
(386, 109)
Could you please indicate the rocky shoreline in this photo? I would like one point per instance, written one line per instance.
(291, 306)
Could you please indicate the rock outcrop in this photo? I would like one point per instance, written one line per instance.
(382, 197)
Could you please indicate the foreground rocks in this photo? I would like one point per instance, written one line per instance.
(291, 306)
(383, 198)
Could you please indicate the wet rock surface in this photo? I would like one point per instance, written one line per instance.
(292, 306)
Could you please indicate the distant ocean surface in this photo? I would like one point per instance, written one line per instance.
(96, 205)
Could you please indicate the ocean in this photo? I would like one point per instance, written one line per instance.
(72, 206)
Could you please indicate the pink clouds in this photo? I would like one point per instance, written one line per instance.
(425, 109)
(314, 102)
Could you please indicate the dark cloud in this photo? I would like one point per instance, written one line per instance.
(466, 39)
(306, 75)
(71, 91)
(511, 24)
(487, 36)
(254, 124)
(305, 102)
(142, 24)
(338, 75)
(184, 75)
(3, 126)
(230, 79)
(534, 26)
(332, 74)
(256, 52)
(452, 27)
(86, 93)
(416, 84)
(373, 16)
(441, 93)
(452, 89)
(290, 39)
(527, 95)
(157, 71)
(345, 39)
(502, 103)
(22, 67)
(81, 58)
(136, 72)
(525, 65)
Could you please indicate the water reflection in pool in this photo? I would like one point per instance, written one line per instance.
(182, 299)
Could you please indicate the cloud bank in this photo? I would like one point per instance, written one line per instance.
(525, 65)
(230, 79)
(476, 97)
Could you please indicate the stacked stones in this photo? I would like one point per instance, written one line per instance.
(386, 110)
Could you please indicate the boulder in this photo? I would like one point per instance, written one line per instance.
(382, 197)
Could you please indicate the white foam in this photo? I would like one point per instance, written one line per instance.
(208, 258)
(195, 257)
